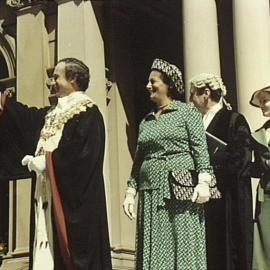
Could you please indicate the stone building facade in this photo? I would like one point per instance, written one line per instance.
(118, 40)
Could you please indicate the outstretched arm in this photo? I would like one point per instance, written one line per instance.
(19, 133)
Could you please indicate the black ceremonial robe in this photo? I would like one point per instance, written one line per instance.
(229, 224)
(77, 168)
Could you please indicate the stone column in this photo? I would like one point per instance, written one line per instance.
(122, 229)
(32, 61)
(79, 36)
(201, 47)
(32, 56)
(252, 54)
(122, 129)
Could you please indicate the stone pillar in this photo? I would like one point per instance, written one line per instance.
(79, 36)
(252, 54)
(32, 56)
(201, 47)
(123, 132)
(32, 61)
(122, 229)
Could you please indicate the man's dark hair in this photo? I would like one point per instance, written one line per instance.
(78, 71)
(215, 95)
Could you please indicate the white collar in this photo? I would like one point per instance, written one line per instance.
(208, 117)
(66, 102)
(214, 109)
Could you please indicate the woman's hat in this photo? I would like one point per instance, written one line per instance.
(255, 101)
(172, 71)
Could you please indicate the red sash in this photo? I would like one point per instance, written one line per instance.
(59, 216)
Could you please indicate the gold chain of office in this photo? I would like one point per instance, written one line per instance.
(55, 121)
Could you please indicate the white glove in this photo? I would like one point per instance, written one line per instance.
(36, 164)
(129, 203)
(202, 191)
(26, 160)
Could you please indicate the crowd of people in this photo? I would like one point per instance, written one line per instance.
(176, 230)
(192, 172)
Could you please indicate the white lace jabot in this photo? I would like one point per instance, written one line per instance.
(66, 102)
(66, 108)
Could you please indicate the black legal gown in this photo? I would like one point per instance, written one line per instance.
(78, 170)
(229, 224)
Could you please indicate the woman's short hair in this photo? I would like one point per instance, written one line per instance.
(173, 92)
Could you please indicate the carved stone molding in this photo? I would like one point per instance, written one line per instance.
(24, 3)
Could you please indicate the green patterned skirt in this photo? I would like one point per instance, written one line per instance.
(169, 237)
(261, 250)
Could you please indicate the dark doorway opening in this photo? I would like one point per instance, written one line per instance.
(134, 35)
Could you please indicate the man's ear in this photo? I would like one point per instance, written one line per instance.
(74, 79)
(207, 92)
(75, 84)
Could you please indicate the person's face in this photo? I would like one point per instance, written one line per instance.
(158, 90)
(264, 99)
(61, 86)
(197, 100)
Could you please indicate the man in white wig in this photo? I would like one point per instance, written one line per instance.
(229, 220)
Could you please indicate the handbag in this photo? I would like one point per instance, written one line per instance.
(183, 183)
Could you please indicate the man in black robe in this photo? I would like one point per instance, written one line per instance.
(63, 147)
(229, 223)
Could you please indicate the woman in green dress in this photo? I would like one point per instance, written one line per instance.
(170, 232)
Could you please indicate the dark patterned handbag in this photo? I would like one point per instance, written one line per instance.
(183, 183)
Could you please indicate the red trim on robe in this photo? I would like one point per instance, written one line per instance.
(59, 214)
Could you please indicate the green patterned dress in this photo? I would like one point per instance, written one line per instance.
(170, 233)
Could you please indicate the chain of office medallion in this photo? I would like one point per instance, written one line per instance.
(55, 121)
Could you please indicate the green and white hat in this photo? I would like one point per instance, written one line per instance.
(171, 71)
